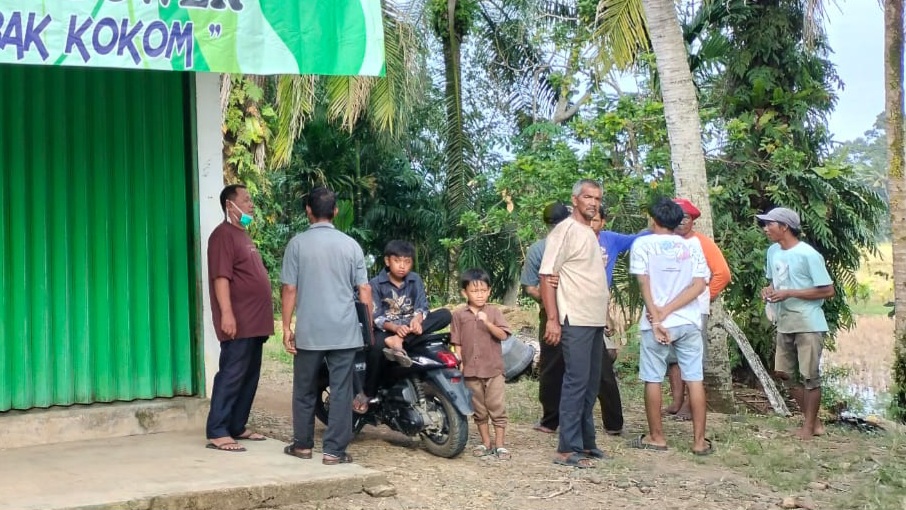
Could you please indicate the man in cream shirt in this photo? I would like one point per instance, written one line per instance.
(576, 316)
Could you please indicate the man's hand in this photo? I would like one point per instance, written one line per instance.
(483, 317)
(415, 327)
(554, 280)
(289, 341)
(766, 292)
(228, 325)
(777, 295)
(552, 332)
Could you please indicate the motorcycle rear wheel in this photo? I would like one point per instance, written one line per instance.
(322, 409)
(454, 433)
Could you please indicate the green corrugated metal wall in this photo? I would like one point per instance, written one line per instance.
(96, 270)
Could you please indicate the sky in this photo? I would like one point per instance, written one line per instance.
(855, 30)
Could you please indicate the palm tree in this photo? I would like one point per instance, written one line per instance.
(688, 160)
(385, 103)
(893, 85)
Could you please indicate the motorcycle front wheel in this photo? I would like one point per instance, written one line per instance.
(451, 439)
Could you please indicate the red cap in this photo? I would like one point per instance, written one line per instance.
(688, 207)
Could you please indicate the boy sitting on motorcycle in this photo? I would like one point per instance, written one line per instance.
(477, 331)
(401, 316)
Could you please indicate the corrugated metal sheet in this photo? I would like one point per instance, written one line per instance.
(96, 250)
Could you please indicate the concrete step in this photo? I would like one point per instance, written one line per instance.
(98, 421)
(170, 470)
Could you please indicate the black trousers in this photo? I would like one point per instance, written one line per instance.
(550, 383)
(435, 321)
(306, 367)
(234, 386)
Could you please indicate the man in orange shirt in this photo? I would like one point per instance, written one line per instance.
(717, 281)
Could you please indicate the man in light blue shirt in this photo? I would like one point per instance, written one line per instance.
(323, 270)
(799, 284)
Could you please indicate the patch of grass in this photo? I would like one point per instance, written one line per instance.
(863, 471)
(273, 349)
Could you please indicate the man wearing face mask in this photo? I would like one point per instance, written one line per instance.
(243, 319)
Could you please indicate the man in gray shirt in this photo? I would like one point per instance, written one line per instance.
(322, 267)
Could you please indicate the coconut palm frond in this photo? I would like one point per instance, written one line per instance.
(347, 98)
(621, 33)
(295, 104)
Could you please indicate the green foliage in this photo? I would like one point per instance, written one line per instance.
(772, 100)
(246, 129)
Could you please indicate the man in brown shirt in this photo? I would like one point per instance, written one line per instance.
(576, 316)
(243, 319)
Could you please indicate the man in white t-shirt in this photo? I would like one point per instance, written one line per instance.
(671, 273)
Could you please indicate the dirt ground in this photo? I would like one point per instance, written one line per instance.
(529, 480)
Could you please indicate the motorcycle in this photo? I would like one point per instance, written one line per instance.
(428, 399)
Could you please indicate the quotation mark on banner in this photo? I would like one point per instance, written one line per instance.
(214, 29)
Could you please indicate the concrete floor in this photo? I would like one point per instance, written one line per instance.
(169, 470)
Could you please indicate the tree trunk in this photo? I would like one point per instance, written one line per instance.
(688, 159)
(893, 78)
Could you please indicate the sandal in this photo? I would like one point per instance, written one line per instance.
(575, 460)
(595, 453)
(707, 451)
(248, 435)
(502, 453)
(226, 447)
(640, 444)
(360, 404)
(398, 356)
(333, 460)
(541, 428)
(482, 451)
(300, 453)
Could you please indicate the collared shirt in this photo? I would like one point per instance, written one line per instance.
(572, 251)
(325, 265)
(398, 305)
(233, 255)
(481, 353)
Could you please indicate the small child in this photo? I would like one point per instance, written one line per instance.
(478, 330)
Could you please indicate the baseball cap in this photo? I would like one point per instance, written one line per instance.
(688, 207)
(783, 215)
(555, 213)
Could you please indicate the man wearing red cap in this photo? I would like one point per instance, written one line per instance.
(718, 279)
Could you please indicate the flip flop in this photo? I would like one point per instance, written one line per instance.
(398, 356)
(541, 428)
(332, 460)
(639, 443)
(575, 460)
(595, 453)
(299, 453)
(360, 404)
(707, 451)
(248, 435)
(502, 453)
(226, 447)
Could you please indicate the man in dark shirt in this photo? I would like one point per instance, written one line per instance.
(401, 315)
(243, 319)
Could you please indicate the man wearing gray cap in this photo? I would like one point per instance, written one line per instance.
(799, 284)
